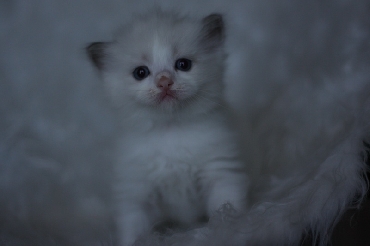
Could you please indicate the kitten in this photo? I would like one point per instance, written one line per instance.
(178, 158)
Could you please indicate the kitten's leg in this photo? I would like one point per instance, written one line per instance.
(226, 185)
(132, 222)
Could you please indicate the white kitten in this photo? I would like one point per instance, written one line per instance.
(178, 158)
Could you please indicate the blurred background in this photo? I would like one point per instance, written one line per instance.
(290, 62)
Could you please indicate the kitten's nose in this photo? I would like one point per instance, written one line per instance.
(164, 82)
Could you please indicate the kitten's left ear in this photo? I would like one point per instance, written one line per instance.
(212, 33)
(96, 53)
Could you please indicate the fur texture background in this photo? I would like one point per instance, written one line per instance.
(298, 79)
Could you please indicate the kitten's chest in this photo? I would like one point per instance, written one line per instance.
(165, 152)
(165, 164)
(167, 167)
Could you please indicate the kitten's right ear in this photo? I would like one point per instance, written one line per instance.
(212, 33)
(96, 53)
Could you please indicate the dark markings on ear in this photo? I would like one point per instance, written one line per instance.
(96, 52)
(212, 33)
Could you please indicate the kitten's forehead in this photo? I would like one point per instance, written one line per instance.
(158, 38)
(161, 52)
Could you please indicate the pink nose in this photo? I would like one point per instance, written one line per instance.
(164, 83)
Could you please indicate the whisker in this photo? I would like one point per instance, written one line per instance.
(214, 101)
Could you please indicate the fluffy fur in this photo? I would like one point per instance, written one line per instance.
(178, 158)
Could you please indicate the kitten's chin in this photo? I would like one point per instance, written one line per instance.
(167, 100)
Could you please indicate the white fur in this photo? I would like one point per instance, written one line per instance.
(178, 159)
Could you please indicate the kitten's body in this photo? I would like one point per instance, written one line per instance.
(178, 158)
(175, 170)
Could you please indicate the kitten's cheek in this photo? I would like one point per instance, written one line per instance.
(188, 93)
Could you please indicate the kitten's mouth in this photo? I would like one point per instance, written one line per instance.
(167, 96)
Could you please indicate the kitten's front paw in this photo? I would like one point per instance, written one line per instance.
(227, 197)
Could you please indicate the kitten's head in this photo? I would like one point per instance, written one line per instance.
(164, 63)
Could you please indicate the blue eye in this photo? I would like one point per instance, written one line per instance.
(183, 64)
(141, 72)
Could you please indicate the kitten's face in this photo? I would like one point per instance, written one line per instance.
(165, 63)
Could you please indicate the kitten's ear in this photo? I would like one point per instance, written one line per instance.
(97, 54)
(212, 33)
